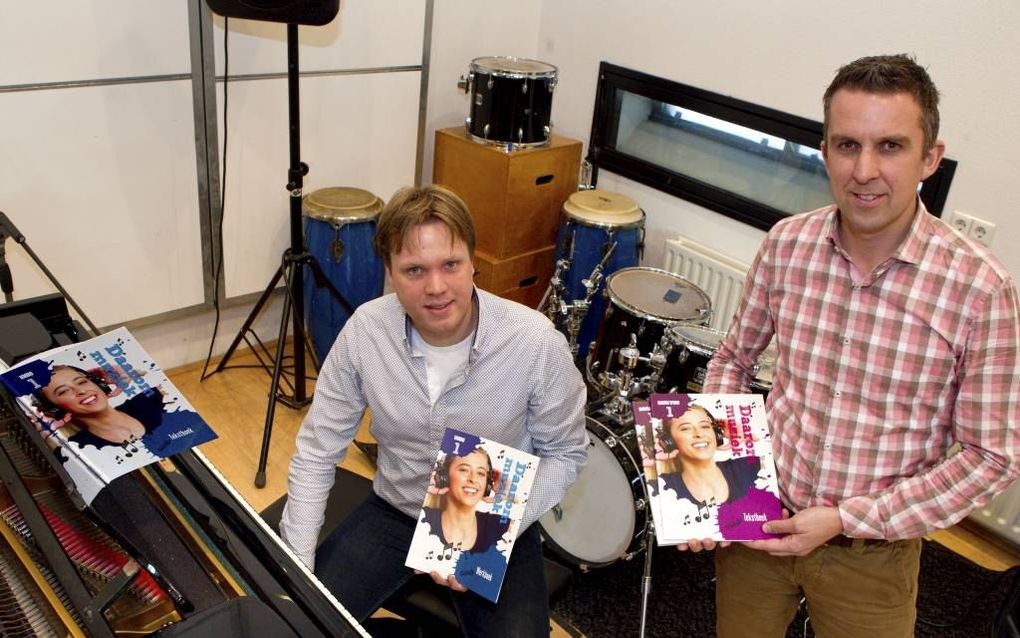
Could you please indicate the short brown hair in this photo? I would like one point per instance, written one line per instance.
(890, 74)
(411, 207)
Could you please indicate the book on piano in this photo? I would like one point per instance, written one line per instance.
(105, 408)
(472, 511)
(716, 477)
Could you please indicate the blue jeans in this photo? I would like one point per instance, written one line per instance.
(362, 563)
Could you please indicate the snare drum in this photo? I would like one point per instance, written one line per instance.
(593, 221)
(692, 347)
(511, 100)
(602, 517)
(643, 302)
(339, 230)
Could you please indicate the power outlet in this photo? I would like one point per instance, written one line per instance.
(982, 231)
(960, 222)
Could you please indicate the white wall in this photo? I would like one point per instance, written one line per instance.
(782, 55)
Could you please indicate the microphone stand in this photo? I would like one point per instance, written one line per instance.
(8, 229)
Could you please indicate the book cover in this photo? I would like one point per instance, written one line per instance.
(472, 511)
(105, 408)
(645, 437)
(716, 472)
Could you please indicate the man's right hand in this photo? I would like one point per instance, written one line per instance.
(706, 544)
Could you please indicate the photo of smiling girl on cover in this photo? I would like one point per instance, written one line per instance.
(462, 483)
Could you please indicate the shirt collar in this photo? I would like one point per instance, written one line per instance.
(479, 313)
(911, 251)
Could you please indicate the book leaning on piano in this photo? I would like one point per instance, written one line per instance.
(715, 475)
(105, 408)
(472, 511)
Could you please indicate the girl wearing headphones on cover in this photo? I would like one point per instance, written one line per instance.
(691, 441)
(81, 398)
(463, 482)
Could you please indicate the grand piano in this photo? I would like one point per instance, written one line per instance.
(168, 550)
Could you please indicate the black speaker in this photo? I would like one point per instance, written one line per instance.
(313, 12)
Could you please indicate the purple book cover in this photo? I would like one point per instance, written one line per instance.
(716, 473)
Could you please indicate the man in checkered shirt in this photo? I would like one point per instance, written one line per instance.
(894, 403)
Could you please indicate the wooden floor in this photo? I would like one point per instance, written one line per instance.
(234, 402)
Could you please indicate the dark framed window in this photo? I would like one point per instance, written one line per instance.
(749, 162)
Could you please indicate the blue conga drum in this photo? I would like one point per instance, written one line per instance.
(340, 225)
(593, 221)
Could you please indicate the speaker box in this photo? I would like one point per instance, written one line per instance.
(311, 12)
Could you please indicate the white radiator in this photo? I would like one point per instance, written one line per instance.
(721, 277)
(1002, 515)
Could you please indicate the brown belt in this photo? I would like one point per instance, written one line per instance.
(845, 541)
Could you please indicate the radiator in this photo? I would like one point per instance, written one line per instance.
(721, 277)
(1002, 514)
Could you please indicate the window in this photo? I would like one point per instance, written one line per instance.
(749, 162)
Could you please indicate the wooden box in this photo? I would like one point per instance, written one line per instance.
(516, 197)
(523, 278)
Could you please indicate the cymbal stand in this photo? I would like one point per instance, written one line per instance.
(552, 301)
(646, 575)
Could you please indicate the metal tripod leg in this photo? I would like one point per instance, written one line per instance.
(274, 386)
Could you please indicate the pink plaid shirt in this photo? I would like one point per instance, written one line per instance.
(880, 374)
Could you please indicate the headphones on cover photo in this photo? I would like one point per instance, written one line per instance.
(443, 471)
(666, 436)
(53, 411)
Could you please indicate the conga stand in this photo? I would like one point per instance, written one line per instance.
(294, 259)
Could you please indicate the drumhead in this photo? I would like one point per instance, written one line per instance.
(511, 67)
(699, 339)
(603, 208)
(596, 520)
(658, 295)
(341, 204)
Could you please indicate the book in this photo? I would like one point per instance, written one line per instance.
(645, 437)
(105, 408)
(472, 512)
(715, 472)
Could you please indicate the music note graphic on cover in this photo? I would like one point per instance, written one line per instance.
(105, 408)
(716, 473)
(472, 511)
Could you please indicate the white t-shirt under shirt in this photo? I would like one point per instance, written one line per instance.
(442, 363)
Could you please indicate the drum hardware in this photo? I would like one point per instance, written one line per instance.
(584, 183)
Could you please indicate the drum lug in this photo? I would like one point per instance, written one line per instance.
(640, 505)
(485, 131)
(548, 131)
(524, 88)
(467, 122)
(490, 84)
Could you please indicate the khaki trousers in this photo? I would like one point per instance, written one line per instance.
(867, 590)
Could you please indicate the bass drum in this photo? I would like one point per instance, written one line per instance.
(602, 517)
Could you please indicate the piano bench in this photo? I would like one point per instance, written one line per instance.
(420, 601)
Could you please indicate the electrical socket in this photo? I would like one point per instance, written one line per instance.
(960, 222)
(982, 231)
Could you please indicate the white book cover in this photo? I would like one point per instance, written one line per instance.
(105, 408)
(715, 470)
(472, 511)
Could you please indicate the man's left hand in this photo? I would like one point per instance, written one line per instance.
(805, 530)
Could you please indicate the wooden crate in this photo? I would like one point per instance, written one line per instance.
(523, 278)
(516, 197)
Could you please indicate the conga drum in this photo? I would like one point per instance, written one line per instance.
(511, 101)
(593, 221)
(340, 225)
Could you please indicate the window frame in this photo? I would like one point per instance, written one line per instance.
(603, 155)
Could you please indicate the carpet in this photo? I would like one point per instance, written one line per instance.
(956, 597)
